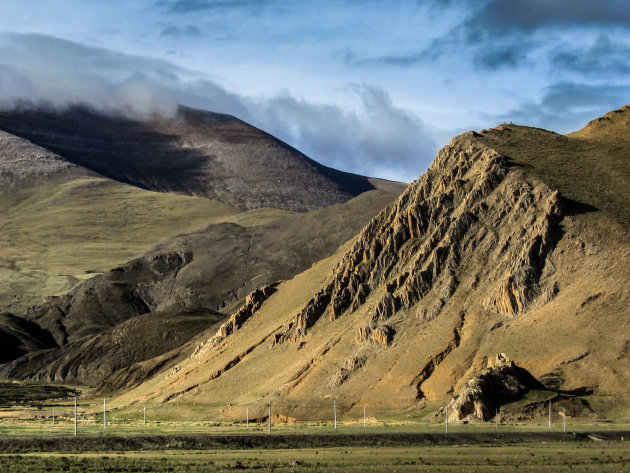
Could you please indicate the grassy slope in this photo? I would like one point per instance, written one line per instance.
(590, 166)
(581, 334)
(56, 235)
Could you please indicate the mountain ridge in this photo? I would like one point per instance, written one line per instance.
(479, 256)
(197, 152)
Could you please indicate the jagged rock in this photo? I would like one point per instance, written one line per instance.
(363, 334)
(493, 387)
(500, 360)
(382, 335)
(385, 309)
(253, 302)
(313, 310)
(352, 365)
(416, 245)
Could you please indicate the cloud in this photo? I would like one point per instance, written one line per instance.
(567, 106)
(498, 56)
(49, 70)
(603, 57)
(188, 30)
(380, 138)
(192, 6)
(376, 138)
(498, 33)
(506, 17)
(510, 24)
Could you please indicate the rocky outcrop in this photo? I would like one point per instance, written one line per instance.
(253, 302)
(466, 209)
(499, 384)
(352, 364)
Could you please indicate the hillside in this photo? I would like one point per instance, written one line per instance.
(182, 208)
(68, 229)
(183, 285)
(514, 241)
(196, 153)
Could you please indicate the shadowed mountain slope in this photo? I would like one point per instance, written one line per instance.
(514, 240)
(182, 286)
(195, 153)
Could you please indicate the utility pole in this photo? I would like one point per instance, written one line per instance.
(104, 415)
(270, 418)
(335, 409)
(550, 414)
(564, 416)
(75, 416)
(446, 420)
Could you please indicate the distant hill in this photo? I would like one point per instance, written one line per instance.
(196, 153)
(111, 225)
(515, 241)
(180, 287)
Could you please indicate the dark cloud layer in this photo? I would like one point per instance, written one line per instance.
(506, 55)
(501, 17)
(604, 56)
(192, 6)
(568, 105)
(497, 33)
(188, 30)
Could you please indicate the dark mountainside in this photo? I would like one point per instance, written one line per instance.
(61, 162)
(181, 287)
(196, 153)
(515, 240)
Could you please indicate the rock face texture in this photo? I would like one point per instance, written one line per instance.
(183, 286)
(482, 254)
(483, 394)
(462, 205)
(198, 153)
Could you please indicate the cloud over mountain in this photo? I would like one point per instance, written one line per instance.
(376, 138)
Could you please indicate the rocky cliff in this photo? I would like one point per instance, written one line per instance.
(485, 253)
(463, 207)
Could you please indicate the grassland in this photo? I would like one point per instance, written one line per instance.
(582, 456)
(590, 166)
(29, 442)
(54, 236)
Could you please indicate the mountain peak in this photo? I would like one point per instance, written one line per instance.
(197, 153)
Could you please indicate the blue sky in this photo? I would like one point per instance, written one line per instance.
(373, 87)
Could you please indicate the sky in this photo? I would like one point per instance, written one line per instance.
(374, 87)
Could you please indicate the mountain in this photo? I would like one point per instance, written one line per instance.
(165, 203)
(183, 285)
(196, 152)
(515, 241)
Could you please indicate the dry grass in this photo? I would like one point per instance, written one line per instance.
(55, 236)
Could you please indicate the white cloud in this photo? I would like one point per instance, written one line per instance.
(375, 138)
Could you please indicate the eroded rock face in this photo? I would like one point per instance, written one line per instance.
(495, 386)
(466, 206)
(253, 302)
